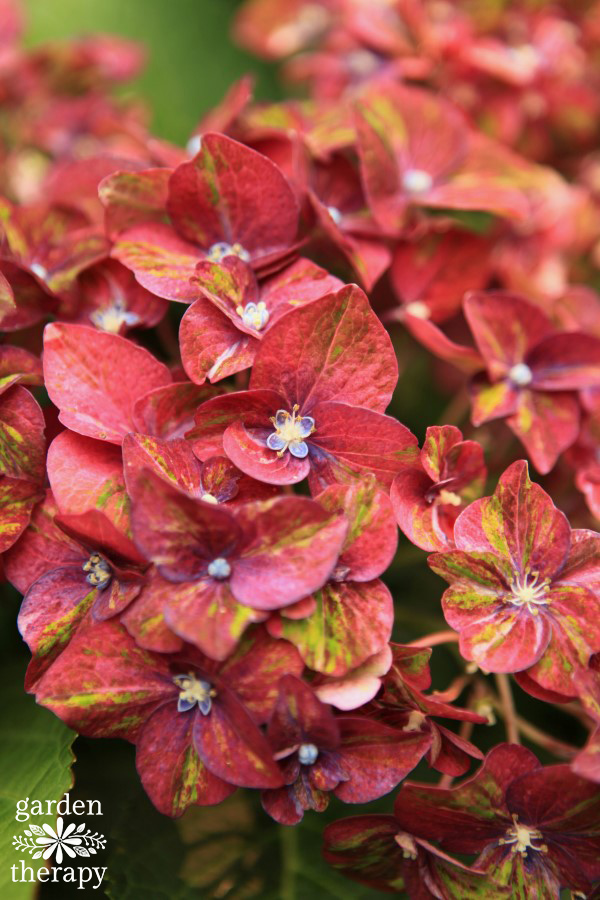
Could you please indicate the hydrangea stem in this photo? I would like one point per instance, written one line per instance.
(508, 708)
(433, 640)
(289, 849)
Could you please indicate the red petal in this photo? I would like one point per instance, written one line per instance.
(334, 348)
(173, 775)
(231, 193)
(95, 379)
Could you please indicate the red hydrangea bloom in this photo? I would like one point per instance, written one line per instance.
(533, 372)
(87, 482)
(109, 297)
(416, 149)
(523, 586)
(220, 332)
(376, 851)
(403, 705)
(229, 200)
(584, 456)
(428, 501)
(343, 218)
(22, 444)
(72, 568)
(587, 761)
(355, 758)
(321, 379)
(349, 620)
(194, 721)
(167, 412)
(43, 249)
(215, 481)
(535, 829)
(18, 366)
(431, 273)
(95, 379)
(231, 566)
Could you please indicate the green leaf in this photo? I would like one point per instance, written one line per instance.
(35, 761)
(477, 221)
(232, 850)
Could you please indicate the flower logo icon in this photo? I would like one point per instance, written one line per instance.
(71, 841)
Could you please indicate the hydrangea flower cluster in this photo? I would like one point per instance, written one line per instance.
(201, 520)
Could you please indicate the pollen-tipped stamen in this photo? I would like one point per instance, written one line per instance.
(529, 590)
(99, 573)
(194, 690)
(521, 838)
(290, 432)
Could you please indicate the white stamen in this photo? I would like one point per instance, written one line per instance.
(194, 145)
(521, 837)
(521, 375)
(219, 568)
(362, 62)
(527, 590)
(307, 754)
(417, 181)
(415, 720)
(418, 309)
(39, 270)
(335, 214)
(194, 691)
(113, 317)
(254, 315)
(290, 433)
(407, 844)
(222, 249)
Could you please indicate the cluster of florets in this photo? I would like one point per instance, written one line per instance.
(179, 592)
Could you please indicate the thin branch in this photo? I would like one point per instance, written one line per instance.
(432, 640)
(508, 708)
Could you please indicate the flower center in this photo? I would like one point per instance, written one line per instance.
(307, 754)
(99, 573)
(524, 58)
(522, 837)
(418, 309)
(449, 498)
(417, 181)
(219, 568)
(521, 375)
(222, 249)
(209, 498)
(111, 318)
(194, 145)
(39, 270)
(254, 315)
(290, 37)
(528, 590)
(415, 720)
(194, 690)
(339, 573)
(362, 62)
(407, 845)
(290, 432)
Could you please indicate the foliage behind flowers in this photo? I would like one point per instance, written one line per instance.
(201, 509)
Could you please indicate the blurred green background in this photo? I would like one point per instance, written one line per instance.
(191, 60)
